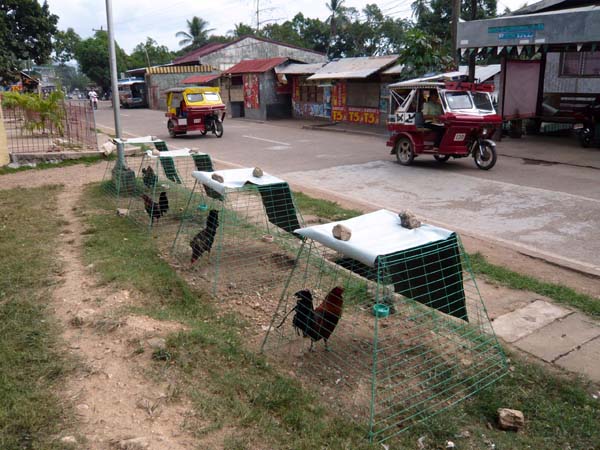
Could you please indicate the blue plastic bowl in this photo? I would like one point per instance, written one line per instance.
(203, 207)
(381, 310)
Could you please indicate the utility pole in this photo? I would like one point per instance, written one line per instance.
(114, 84)
(455, 18)
(257, 15)
(472, 55)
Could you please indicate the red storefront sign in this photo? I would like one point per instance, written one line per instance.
(367, 116)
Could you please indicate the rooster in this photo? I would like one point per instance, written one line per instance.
(163, 203)
(203, 241)
(149, 177)
(152, 208)
(317, 323)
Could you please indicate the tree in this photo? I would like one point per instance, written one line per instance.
(71, 78)
(65, 43)
(197, 34)
(92, 56)
(26, 29)
(423, 54)
(241, 29)
(148, 53)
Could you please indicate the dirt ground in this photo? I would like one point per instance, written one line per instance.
(115, 399)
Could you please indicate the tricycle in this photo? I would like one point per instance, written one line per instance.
(197, 108)
(442, 119)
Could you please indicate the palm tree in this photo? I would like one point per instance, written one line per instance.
(197, 34)
(337, 8)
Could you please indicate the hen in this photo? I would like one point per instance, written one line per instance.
(163, 203)
(149, 177)
(151, 207)
(203, 241)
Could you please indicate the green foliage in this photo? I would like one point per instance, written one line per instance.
(301, 31)
(196, 35)
(26, 28)
(71, 78)
(39, 112)
(65, 43)
(423, 53)
(149, 53)
(31, 367)
(242, 29)
(92, 56)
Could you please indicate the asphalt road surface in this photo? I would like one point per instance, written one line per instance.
(551, 210)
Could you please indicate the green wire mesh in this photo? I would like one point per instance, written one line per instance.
(253, 245)
(119, 181)
(414, 337)
(162, 190)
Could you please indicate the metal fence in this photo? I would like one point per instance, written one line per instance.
(77, 130)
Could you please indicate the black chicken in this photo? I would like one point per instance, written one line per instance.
(304, 316)
(152, 208)
(203, 241)
(149, 177)
(163, 203)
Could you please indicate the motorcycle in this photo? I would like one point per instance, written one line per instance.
(94, 101)
(464, 128)
(197, 108)
(587, 130)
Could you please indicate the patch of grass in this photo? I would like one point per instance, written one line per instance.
(514, 280)
(86, 160)
(323, 208)
(235, 389)
(32, 367)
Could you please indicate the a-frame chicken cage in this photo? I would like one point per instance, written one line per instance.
(414, 337)
(238, 230)
(119, 182)
(164, 183)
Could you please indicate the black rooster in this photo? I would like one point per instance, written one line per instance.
(203, 241)
(152, 208)
(149, 177)
(163, 203)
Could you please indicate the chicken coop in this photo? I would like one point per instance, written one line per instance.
(400, 314)
(238, 230)
(168, 169)
(164, 184)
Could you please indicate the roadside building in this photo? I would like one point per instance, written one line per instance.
(252, 89)
(223, 56)
(550, 54)
(160, 78)
(310, 99)
(357, 88)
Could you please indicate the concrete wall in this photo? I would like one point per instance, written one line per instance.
(4, 156)
(553, 83)
(251, 48)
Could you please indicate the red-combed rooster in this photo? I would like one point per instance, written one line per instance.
(317, 323)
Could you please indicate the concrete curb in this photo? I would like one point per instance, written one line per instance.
(342, 130)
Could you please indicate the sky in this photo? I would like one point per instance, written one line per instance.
(134, 20)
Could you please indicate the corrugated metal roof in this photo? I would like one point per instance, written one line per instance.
(195, 55)
(299, 69)
(360, 67)
(256, 65)
(199, 79)
(394, 70)
(482, 73)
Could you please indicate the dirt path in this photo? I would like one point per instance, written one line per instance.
(116, 402)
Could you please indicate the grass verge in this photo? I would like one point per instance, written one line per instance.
(87, 160)
(31, 364)
(501, 275)
(240, 394)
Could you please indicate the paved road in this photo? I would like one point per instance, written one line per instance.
(552, 210)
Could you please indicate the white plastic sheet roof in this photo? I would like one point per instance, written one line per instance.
(173, 153)
(137, 140)
(482, 73)
(360, 67)
(374, 234)
(234, 179)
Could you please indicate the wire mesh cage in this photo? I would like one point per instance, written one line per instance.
(166, 184)
(401, 315)
(240, 232)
